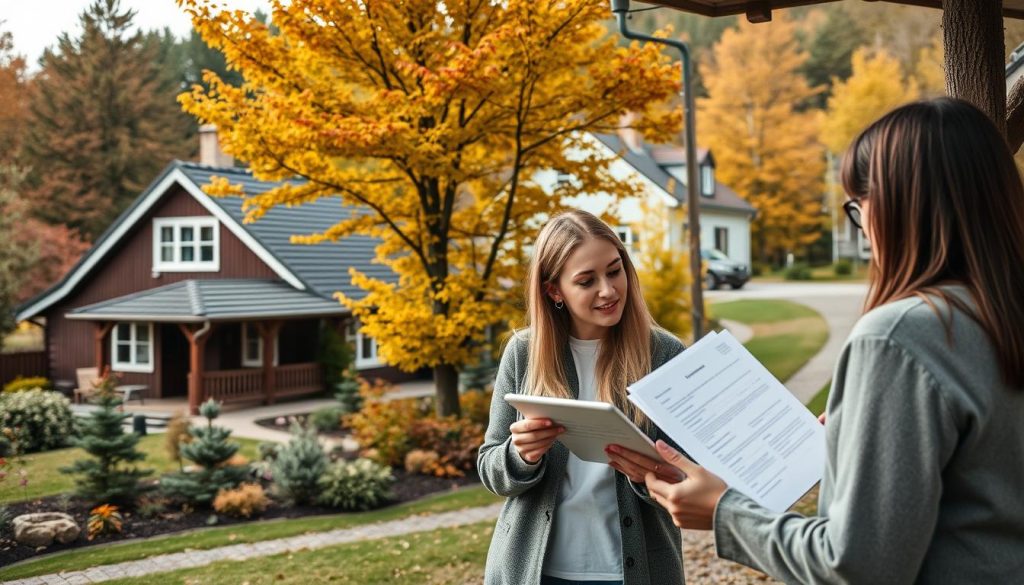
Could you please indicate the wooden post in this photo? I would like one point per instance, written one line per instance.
(972, 34)
(101, 331)
(197, 338)
(268, 332)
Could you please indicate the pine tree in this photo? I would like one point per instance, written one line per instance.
(103, 121)
(299, 466)
(17, 256)
(209, 450)
(109, 476)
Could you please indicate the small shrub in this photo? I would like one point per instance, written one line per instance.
(327, 419)
(19, 384)
(384, 426)
(242, 502)
(150, 508)
(356, 485)
(476, 406)
(843, 268)
(478, 376)
(5, 518)
(421, 461)
(456, 441)
(335, 355)
(268, 450)
(346, 391)
(105, 519)
(797, 272)
(39, 420)
(210, 450)
(299, 465)
(176, 434)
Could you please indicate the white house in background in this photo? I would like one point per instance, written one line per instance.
(724, 216)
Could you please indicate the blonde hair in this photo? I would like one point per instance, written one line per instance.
(625, 354)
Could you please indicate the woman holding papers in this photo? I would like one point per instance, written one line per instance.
(925, 422)
(567, 520)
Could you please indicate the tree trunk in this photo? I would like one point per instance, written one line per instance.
(972, 31)
(446, 388)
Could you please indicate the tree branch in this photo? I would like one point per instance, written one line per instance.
(1015, 116)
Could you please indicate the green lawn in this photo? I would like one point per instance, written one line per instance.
(452, 555)
(817, 404)
(762, 311)
(207, 538)
(44, 479)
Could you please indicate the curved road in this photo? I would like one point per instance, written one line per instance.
(840, 304)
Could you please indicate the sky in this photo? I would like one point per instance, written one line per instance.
(36, 24)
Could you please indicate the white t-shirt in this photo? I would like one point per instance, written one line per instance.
(586, 542)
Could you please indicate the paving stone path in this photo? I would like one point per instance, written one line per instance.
(241, 552)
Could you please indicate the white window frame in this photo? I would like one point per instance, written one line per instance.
(176, 224)
(626, 236)
(258, 363)
(707, 181)
(133, 365)
(355, 329)
(716, 230)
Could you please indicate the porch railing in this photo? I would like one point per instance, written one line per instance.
(247, 384)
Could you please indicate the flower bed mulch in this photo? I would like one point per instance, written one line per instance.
(407, 487)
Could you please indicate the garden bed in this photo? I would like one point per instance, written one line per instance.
(407, 487)
(284, 424)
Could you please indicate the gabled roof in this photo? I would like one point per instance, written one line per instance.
(211, 300)
(654, 162)
(321, 269)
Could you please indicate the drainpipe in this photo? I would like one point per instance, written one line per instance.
(621, 10)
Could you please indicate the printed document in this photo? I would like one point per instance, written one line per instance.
(737, 420)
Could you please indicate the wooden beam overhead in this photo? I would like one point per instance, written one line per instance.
(755, 9)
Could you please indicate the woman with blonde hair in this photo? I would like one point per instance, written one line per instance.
(590, 335)
(925, 420)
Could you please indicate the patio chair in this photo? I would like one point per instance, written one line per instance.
(86, 383)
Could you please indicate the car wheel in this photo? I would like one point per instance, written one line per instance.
(711, 281)
(737, 285)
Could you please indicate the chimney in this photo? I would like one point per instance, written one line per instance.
(210, 152)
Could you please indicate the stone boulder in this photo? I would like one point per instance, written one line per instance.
(42, 529)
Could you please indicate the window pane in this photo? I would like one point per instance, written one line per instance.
(206, 253)
(141, 332)
(188, 253)
(142, 354)
(206, 234)
(186, 234)
(124, 353)
(167, 234)
(166, 254)
(123, 332)
(366, 352)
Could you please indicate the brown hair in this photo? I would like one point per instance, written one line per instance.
(625, 354)
(946, 206)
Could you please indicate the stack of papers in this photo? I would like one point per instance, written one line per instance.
(737, 420)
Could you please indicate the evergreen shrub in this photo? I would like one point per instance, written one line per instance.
(19, 384)
(299, 465)
(245, 501)
(210, 451)
(38, 420)
(355, 485)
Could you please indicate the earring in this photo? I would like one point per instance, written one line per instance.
(559, 304)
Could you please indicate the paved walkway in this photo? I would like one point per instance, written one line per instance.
(840, 304)
(240, 552)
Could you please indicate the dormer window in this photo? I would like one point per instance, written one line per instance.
(707, 180)
(186, 244)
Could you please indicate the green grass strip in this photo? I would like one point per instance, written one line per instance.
(761, 311)
(206, 538)
(820, 400)
(445, 555)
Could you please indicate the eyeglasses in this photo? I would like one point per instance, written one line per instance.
(853, 211)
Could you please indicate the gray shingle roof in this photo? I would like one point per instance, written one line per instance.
(212, 300)
(323, 267)
(648, 165)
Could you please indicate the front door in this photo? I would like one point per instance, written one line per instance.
(174, 361)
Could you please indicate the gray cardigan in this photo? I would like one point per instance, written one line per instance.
(925, 475)
(651, 544)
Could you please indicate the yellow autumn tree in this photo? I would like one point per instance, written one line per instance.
(930, 70)
(664, 274)
(876, 86)
(765, 140)
(433, 118)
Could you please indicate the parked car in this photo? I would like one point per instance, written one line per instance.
(720, 269)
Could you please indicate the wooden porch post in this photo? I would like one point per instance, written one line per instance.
(101, 331)
(197, 338)
(268, 331)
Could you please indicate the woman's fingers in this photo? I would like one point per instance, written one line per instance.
(544, 436)
(639, 464)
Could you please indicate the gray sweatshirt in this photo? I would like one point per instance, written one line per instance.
(924, 481)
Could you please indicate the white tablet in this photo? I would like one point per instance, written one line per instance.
(589, 426)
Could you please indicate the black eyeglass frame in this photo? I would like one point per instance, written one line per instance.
(853, 211)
